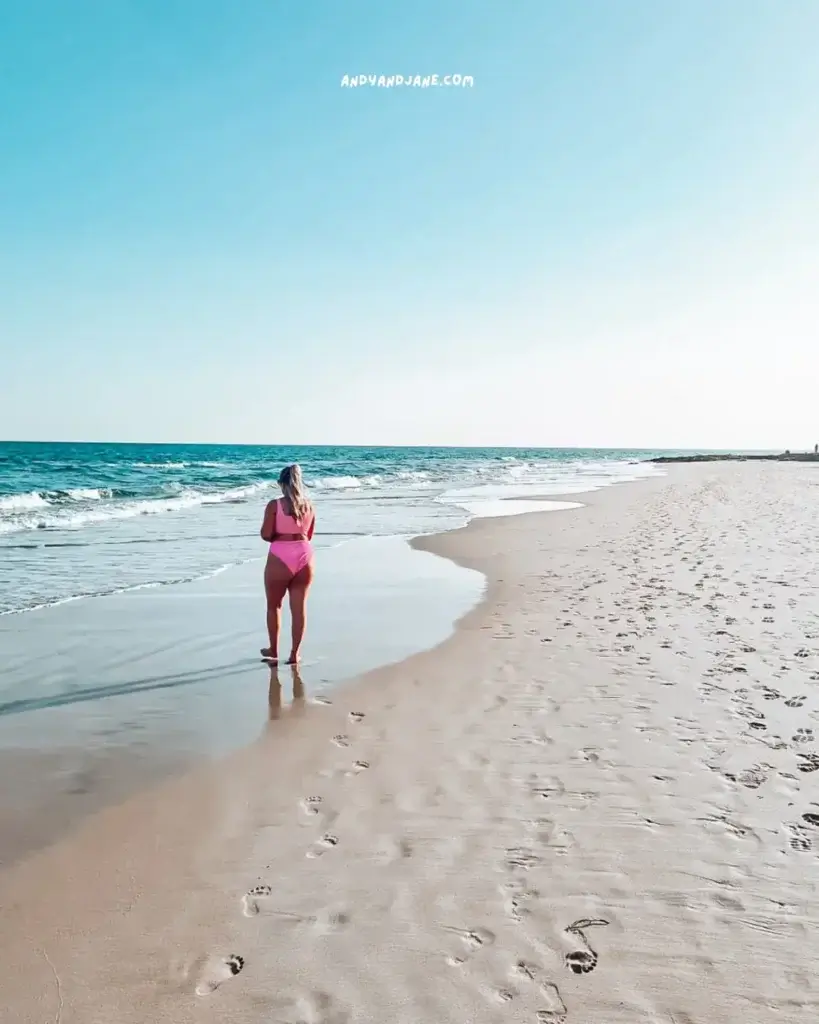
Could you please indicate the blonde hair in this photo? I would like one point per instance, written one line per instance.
(292, 485)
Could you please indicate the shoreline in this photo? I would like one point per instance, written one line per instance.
(92, 716)
(783, 457)
(104, 737)
(70, 530)
(576, 749)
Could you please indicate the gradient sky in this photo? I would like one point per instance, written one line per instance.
(612, 239)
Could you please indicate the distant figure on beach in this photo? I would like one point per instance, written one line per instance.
(816, 449)
(288, 527)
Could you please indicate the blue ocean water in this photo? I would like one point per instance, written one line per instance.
(84, 520)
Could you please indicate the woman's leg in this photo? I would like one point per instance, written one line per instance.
(276, 578)
(299, 585)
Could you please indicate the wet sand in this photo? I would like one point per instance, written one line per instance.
(598, 802)
(103, 698)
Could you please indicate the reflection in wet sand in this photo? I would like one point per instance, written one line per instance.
(274, 694)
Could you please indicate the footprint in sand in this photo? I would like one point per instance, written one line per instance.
(519, 858)
(803, 736)
(356, 716)
(523, 970)
(322, 700)
(503, 995)
(752, 778)
(548, 788)
(473, 939)
(582, 961)
(555, 1011)
(795, 702)
(517, 898)
(341, 740)
(319, 848)
(250, 900)
(358, 768)
(728, 902)
(798, 838)
(217, 971)
(809, 763)
(313, 808)
(811, 819)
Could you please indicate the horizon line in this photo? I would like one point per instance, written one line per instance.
(409, 447)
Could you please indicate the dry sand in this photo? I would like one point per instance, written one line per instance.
(597, 802)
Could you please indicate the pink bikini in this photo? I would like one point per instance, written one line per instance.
(296, 554)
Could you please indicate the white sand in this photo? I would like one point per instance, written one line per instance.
(612, 736)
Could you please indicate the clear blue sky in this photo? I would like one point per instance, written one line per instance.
(611, 239)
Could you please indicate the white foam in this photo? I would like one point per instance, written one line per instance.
(89, 494)
(161, 465)
(524, 487)
(491, 509)
(335, 483)
(22, 502)
(66, 517)
(148, 585)
(412, 474)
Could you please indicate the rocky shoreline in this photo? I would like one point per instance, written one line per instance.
(784, 457)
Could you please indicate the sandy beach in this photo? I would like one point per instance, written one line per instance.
(597, 802)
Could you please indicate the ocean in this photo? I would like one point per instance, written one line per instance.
(79, 521)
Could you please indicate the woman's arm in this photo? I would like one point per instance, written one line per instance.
(311, 527)
(268, 530)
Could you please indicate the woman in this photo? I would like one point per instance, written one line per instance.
(288, 527)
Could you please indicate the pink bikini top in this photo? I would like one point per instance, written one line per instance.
(283, 523)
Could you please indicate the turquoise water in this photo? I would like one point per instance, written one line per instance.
(84, 520)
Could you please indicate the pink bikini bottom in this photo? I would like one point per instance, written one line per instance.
(296, 554)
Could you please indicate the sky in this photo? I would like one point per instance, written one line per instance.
(610, 239)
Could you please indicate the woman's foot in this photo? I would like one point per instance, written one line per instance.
(269, 654)
(293, 659)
